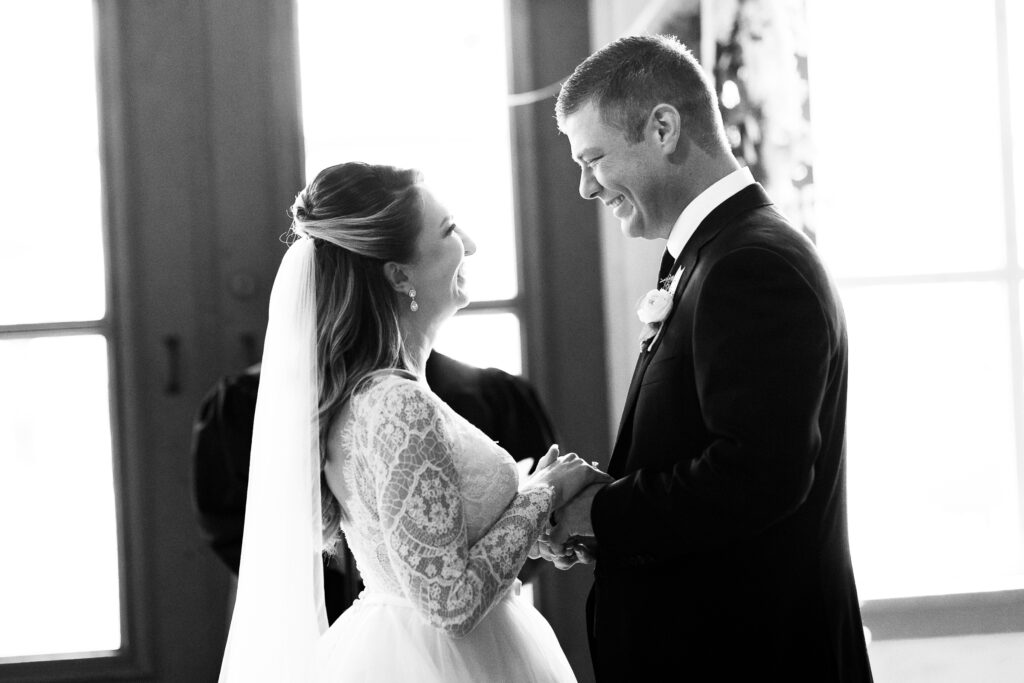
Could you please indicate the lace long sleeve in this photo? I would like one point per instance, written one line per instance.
(452, 584)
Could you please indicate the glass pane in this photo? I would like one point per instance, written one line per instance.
(908, 171)
(52, 253)
(486, 340)
(59, 579)
(932, 471)
(1015, 49)
(434, 99)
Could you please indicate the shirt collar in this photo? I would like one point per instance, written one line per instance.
(702, 205)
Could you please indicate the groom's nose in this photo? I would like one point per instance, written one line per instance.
(589, 187)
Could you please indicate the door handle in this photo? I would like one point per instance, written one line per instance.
(172, 346)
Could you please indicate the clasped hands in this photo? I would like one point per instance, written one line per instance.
(568, 538)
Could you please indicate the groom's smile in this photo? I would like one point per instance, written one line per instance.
(620, 206)
(618, 172)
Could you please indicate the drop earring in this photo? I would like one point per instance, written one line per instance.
(413, 306)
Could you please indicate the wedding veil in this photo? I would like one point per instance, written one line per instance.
(279, 608)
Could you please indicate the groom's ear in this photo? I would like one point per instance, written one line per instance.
(665, 126)
(397, 276)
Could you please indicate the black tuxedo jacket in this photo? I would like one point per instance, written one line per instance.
(723, 551)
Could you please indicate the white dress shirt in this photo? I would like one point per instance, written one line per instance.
(702, 205)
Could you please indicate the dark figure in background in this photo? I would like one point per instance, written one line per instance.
(504, 407)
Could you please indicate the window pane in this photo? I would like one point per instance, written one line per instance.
(1015, 49)
(52, 253)
(932, 473)
(379, 86)
(59, 579)
(908, 172)
(484, 340)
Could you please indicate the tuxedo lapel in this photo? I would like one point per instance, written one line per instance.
(647, 353)
(749, 198)
(668, 267)
(685, 270)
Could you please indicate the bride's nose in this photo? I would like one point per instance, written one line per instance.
(468, 244)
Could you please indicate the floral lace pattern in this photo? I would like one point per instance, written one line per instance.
(433, 513)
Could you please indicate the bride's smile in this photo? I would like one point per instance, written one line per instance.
(437, 274)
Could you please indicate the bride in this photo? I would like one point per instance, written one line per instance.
(350, 440)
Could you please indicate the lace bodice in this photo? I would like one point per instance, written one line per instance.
(432, 507)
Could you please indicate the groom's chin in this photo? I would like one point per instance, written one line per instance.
(630, 228)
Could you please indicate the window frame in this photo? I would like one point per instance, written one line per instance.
(934, 616)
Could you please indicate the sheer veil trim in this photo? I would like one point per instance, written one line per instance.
(279, 609)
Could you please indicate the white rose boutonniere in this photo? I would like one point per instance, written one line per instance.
(654, 307)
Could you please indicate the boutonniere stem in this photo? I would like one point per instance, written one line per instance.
(654, 308)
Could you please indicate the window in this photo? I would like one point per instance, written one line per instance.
(919, 193)
(434, 99)
(60, 591)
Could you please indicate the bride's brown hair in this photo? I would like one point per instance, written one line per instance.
(360, 216)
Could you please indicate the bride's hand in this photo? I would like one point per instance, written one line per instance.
(548, 458)
(567, 474)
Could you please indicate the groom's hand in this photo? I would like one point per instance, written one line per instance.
(547, 550)
(544, 547)
(577, 550)
(565, 556)
(570, 540)
(573, 518)
(562, 556)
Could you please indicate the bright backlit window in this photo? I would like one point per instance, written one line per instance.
(59, 587)
(59, 578)
(913, 110)
(423, 85)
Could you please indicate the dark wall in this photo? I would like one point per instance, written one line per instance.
(563, 272)
(202, 155)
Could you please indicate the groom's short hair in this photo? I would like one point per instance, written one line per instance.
(628, 77)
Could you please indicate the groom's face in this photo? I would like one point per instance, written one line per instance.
(623, 175)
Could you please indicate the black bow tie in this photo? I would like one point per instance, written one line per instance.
(666, 265)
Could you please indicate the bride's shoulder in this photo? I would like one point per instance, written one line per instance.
(390, 390)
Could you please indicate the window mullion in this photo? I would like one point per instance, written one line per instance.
(51, 329)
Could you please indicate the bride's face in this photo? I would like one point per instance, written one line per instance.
(441, 249)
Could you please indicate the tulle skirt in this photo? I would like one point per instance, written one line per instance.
(381, 637)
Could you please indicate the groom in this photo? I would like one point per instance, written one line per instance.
(721, 547)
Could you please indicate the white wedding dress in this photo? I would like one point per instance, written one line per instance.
(439, 530)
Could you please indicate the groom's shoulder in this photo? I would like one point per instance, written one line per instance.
(765, 228)
(765, 242)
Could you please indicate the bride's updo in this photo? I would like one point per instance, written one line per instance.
(360, 217)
